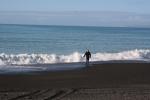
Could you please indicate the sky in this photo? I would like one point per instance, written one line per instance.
(76, 12)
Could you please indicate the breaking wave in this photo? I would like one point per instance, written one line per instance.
(19, 59)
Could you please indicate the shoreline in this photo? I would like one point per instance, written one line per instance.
(108, 74)
(25, 69)
(115, 81)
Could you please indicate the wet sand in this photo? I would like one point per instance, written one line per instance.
(108, 81)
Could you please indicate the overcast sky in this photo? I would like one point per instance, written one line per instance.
(76, 12)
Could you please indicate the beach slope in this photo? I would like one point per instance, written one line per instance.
(99, 80)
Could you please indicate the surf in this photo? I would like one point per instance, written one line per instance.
(26, 59)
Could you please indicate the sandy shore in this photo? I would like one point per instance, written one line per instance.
(111, 81)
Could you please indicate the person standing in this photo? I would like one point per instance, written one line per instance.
(88, 56)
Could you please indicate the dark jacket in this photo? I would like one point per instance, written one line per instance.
(87, 55)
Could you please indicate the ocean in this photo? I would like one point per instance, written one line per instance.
(26, 48)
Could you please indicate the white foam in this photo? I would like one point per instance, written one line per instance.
(19, 59)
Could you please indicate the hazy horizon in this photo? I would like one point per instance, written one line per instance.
(76, 18)
(115, 13)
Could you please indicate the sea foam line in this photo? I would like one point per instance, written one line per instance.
(19, 59)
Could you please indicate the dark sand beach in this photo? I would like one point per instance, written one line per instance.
(107, 81)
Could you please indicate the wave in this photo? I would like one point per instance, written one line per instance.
(22, 59)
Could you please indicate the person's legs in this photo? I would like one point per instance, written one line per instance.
(87, 62)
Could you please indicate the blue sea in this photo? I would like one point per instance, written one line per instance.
(47, 47)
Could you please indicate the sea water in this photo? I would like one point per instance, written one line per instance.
(22, 46)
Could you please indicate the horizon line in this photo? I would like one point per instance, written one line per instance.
(74, 25)
(69, 11)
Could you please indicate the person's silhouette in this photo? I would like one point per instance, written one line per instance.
(88, 56)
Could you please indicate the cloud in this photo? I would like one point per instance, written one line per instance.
(85, 18)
